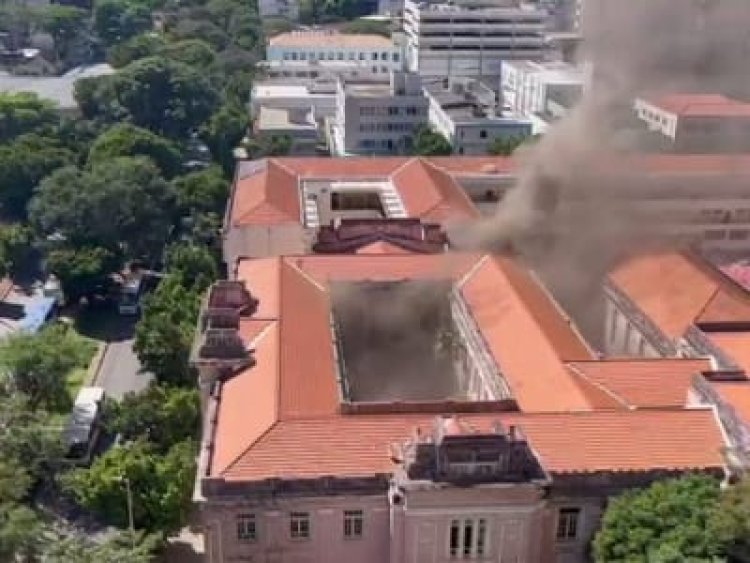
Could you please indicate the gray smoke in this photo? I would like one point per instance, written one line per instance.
(572, 214)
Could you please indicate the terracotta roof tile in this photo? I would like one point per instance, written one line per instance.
(268, 196)
(343, 167)
(430, 193)
(382, 247)
(677, 290)
(330, 39)
(667, 287)
(527, 337)
(737, 395)
(249, 404)
(702, 105)
(307, 385)
(734, 344)
(643, 382)
(566, 443)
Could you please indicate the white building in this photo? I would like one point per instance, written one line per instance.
(299, 125)
(471, 38)
(318, 95)
(378, 117)
(467, 113)
(326, 53)
(288, 9)
(540, 91)
(696, 123)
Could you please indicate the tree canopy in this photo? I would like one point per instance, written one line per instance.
(23, 113)
(161, 415)
(201, 192)
(117, 549)
(430, 143)
(161, 485)
(119, 20)
(123, 206)
(37, 365)
(164, 335)
(505, 146)
(671, 521)
(128, 140)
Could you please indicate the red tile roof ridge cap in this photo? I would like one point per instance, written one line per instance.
(562, 313)
(471, 272)
(252, 444)
(459, 191)
(401, 166)
(242, 220)
(296, 266)
(281, 162)
(603, 388)
(638, 359)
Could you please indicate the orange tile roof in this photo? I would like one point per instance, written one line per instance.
(737, 395)
(604, 441)
(676, 290)
(281, 417)
(527, 336)
(267, 197)
(735, 344)
(701, 105)
(643, 382)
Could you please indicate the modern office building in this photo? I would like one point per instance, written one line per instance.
(472, 38)
(374, 117)
(469, 114)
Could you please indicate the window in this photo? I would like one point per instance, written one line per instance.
(299, 525)
(482, 134)
(330, 55)
(395, 57)
(353, 524)
(384, 56)
(374, 56)
(350, 56)
(246, 530)
(340, 56)
(468, 538)
(567, 523)
(361, 56)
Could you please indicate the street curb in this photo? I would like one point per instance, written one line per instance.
(96, 364)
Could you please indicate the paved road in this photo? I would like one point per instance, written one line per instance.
(120, 370)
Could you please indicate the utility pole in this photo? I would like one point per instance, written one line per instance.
(131, 524)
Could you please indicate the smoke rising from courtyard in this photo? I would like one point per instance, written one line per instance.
(571, 214)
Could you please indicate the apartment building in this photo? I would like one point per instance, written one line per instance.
(287, 9)
(375, 117)
(696, 123)
(316, 95)
(326, 53)
(467, 113)
(470, 38)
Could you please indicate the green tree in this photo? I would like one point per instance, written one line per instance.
(430, 143)
(123, 206)
(32, 439)
(66, 24)
(15, 240)
(164, 335)
(20, 528)
(203, 191)
(119, 20)
(669, 521)
(193, 52)
(165, 96)
(161, 485)
(505, 146)
(128, 140)
(118, 549)
(23, 113)
(732, 521)
(144, 45)
(194, 266)
(23, 164)
(37, 365)
(82, 270)
(223, 132)
(368, 27)
(161, 415)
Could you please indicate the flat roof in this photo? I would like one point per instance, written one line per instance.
(317, 39)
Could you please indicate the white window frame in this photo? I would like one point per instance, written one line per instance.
(299, 525)
(247, 527)
(354, 524)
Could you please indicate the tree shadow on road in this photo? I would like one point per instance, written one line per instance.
(105, 325)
